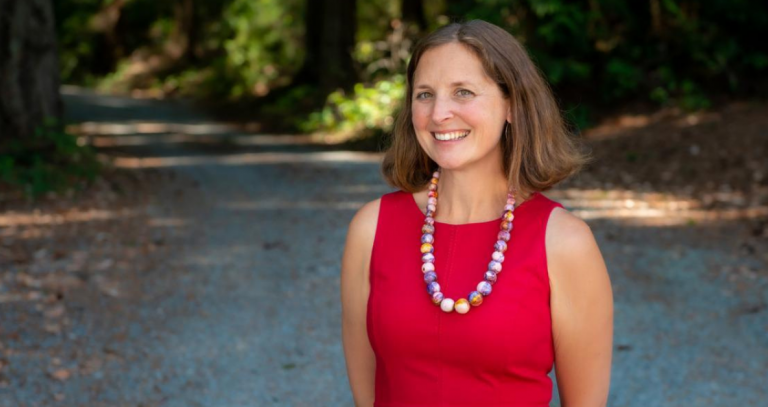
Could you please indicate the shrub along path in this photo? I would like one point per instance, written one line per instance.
(203, 270)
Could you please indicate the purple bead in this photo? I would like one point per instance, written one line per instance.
(432, 201)
(429, 220)
(498, 256)
(437, 297)
(431, 207)
(483, 287)
(509, 207)
(494, 266)
(500, 246)
(504, 235)
(427, 267)
(427, 238)
(433, 287)
(428, 258)
(430, 276)
(490, 277)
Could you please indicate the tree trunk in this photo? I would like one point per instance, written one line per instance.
(29, 68)
(413, 12)
(329, 42)
(185, 34)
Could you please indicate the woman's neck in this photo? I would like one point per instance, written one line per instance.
(470, 196)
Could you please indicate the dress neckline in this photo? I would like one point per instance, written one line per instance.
(417, 208)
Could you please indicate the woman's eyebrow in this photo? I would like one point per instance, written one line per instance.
(453, 85)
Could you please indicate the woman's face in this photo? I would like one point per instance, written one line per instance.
(458, 111)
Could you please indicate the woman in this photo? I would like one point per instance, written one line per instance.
(480, 131)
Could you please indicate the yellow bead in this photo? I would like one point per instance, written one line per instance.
(461, 306)
(426, 248)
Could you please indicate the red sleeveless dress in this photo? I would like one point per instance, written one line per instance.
(498, 354)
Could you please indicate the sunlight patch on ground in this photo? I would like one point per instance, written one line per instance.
(11, 219)
(146, 127)
(229, 139)
(653, 209)
(249, 159)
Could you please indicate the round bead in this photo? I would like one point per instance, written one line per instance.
(432, 194)
(429, 220)
(461, 306)
(500, 246)
(509, 207)
(432, 187)
(427, 267)
(433, 287)
(428, 258)
(498, 256)
(431, 207)
(437, 297)
(432, 201)
(434, 180)
(430, 277)
(427, 238)
(427, 248)
(509, 216)
(506, 225)
(428, 229)
(436, 174)
(475, 298)
(493, 266)
(490, 277)
(483, 287)
(504, 235)
(446, 305)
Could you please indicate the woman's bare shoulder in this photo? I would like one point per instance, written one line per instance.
(365, 220)
(566, 231)
(362, 229)
(572, 251)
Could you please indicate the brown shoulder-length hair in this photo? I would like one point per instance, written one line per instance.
(538, 150)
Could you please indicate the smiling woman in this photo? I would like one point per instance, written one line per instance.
(481, 131)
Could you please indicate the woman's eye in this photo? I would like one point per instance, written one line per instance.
(423, 95)
(464, 92)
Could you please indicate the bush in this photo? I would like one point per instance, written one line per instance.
(49, 160)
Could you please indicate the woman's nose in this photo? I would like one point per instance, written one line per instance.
(442, 109)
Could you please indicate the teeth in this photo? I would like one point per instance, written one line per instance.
(451, 136)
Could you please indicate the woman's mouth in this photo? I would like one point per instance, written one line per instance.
(451, 136)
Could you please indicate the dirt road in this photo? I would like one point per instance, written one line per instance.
(208, 276)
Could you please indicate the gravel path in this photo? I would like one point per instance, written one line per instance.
(238, 305)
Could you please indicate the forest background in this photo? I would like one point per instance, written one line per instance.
(336, 67)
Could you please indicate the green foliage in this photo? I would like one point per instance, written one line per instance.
(49, 160)
(370, 107)
(669, 52)
(262, 40)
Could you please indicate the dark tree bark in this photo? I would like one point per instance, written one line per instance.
(185, 35)
(329, 41)
(29, 68)
(413, 12)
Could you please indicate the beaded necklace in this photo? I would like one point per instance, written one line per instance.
(475, 298)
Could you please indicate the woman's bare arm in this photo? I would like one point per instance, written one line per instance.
(355, 287)
(582, 311)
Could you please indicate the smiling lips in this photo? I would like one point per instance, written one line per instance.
(451, 136)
